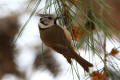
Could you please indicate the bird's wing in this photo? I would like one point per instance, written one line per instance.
(64, 50)
(61, 42)
(68, 35)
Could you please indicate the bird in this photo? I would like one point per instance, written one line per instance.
(59, 39)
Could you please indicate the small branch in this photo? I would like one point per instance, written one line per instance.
(105, 54)
(104, 46)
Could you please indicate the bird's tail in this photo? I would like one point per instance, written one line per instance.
(85, 64)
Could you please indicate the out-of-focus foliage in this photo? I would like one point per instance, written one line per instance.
(46, 60)
(8, 29)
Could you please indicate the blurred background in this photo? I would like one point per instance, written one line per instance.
(25, 57)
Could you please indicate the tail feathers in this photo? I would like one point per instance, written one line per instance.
(85, 64)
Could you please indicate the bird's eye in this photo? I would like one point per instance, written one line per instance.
(49, 17)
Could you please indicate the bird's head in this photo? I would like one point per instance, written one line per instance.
(47, 20)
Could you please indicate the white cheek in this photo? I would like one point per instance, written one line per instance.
(44, 26)
(41, 25)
